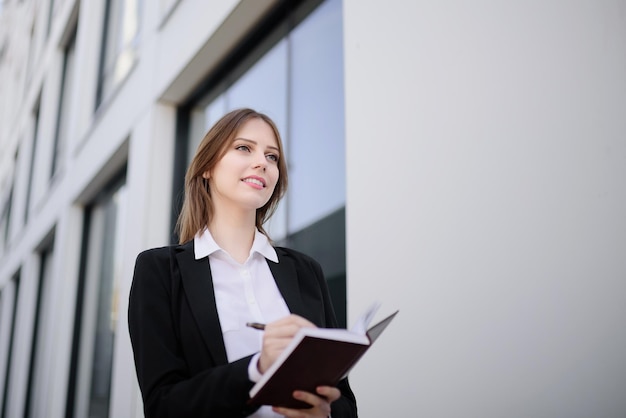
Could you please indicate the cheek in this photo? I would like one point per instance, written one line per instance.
(275, 177)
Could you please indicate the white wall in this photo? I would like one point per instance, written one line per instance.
(486, 147)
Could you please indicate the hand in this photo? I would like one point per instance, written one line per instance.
(320, 403)
(277, 336)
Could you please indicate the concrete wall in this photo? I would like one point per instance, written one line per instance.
(486, 146)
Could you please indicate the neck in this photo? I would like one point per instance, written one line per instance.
(234, 233)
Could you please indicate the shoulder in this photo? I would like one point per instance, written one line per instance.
(157, 265)
(161, 255)
(165, 251)
(153, 254)
(293, 254)
(301, 260)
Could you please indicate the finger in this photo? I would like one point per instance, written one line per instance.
(310, 398)
(321, 409)
(286, 327)
(329, 392)
(293, 320)
(291, 413)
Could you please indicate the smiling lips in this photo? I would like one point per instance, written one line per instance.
(254, 181)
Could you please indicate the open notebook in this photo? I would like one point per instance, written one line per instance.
(317, 356)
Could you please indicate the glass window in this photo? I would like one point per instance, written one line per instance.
(10, 297)
(63, 117)
(4, 336)
(6, 212)
(5, 218)
(120, 45)
(317, 151)
(97, 312)
(35, 405)
(50, 14)
(3, 230)
(298, 82)
(31, 56)
(33, 152)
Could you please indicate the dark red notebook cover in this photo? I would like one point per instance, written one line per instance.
(313, 362)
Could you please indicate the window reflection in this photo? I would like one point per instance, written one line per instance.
(63, 116)
(105, 222)
(317, 154)
(108, 295)
(264, 86)
(121, 35)
(35, 402)
(299, 84)
(10, 297)
(5, 218)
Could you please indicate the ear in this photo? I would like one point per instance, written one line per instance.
(206, 175)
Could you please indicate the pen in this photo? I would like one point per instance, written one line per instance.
(255, 325)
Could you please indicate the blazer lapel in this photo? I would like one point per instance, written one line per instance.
(198, 287)
(286, 277)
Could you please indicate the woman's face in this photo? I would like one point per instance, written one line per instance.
(247, 174)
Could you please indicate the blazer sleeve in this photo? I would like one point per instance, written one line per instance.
(345, 406)
(168, 386)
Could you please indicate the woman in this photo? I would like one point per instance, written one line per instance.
(189, 303)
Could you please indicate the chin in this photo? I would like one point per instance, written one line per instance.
(255, 205)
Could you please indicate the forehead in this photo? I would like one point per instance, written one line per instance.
(259, 131)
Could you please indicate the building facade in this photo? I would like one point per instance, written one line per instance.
(464, 163)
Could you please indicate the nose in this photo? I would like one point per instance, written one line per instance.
(260, 161)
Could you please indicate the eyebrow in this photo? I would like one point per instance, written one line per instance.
(255, 143)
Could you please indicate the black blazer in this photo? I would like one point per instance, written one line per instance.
(177, 341)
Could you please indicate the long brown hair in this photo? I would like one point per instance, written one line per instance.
(197, 210)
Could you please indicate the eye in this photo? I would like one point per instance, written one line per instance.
(242, 148)
(272, 157)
